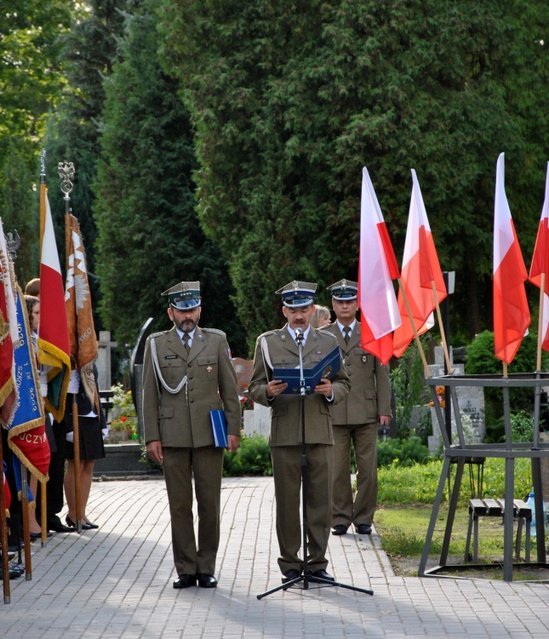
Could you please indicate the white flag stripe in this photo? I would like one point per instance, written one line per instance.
(503, 235)
(377, 294)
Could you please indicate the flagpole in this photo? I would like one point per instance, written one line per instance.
(540, 322)
(66, 175)
(426, 371)
(441, 328)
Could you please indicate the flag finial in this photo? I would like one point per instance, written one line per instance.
(66, 175)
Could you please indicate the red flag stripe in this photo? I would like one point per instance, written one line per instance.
(511, 313)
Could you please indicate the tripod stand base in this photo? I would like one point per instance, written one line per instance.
(306, 579)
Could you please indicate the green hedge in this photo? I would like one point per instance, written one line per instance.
(252, 458)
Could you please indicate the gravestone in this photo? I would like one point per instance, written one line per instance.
(104, 360)
(471, 407)
(257, 420)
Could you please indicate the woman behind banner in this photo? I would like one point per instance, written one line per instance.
(90, 427)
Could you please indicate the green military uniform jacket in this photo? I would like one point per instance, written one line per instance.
(183, 419)
(370, 394)
(285, 416)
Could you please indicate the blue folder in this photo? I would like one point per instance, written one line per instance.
(219, 428)
(328, 367)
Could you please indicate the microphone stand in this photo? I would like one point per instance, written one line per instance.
(306, 577)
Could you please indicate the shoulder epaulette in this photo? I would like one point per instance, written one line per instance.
(152, 335)
(267, 333)
(216, 331)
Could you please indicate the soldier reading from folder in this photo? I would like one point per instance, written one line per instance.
(278, 349)
(187, 372)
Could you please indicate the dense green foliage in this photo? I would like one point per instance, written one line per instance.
(481, 360)
(404, 452)
(284, 102)
(74, 129)
(145, 208)
(30, 84)
(252, 458)
(290, 100)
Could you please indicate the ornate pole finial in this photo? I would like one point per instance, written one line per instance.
(66, 175)
(13, 242)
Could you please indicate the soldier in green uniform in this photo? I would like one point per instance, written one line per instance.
(357, 417)
(278, 348)
(187, 372)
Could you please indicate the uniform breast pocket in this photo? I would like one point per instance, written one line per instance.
(207, 367)
(173, 370)
(359, 357)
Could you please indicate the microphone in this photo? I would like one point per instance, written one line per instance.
(299, 335)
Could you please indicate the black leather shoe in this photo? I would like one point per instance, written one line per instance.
(34, 536)
(58, 526)
(86, 525)
(290, 575)
(207, 581)
(321, 575)
(339, 529)
(185, 581)
(364, 529)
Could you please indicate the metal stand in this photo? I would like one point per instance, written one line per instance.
(508, 450)
(306, 577)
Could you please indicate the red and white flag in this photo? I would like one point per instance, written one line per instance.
(420, 272)
(540, 265)
(53, 334)
(379, 314)
(511, 313)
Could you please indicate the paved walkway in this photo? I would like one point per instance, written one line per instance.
(116, 582)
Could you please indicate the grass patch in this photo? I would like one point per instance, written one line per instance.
(402, 530)
(406, 495)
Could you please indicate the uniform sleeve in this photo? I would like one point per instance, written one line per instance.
(150, 397)
(341, 383)
(259, 381)
(228, 390)
(383, 389)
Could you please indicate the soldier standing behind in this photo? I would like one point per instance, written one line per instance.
(187, 372)
(356, 418)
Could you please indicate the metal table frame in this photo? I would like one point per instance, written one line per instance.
(461, 452)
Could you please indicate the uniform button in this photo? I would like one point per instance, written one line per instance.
(189, 365)
(191, 400)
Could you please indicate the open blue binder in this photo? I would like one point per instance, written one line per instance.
(328, 367)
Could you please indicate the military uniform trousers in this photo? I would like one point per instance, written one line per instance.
(206, 465)
(287, 478)
(364, 440)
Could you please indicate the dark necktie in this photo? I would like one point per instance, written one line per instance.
(347, 334)
(186, 342)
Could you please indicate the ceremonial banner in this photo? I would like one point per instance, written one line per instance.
(511, 313)
(27, 437)
(379, 314)
(420, 273)
(8, 395)
(7, 493)
(53, 336)
(82, 337)
(540, 264)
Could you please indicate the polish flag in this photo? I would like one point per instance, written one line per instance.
(53, 333)
(420, 270)
(379, 315)
(540, 264)
(511, 313)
